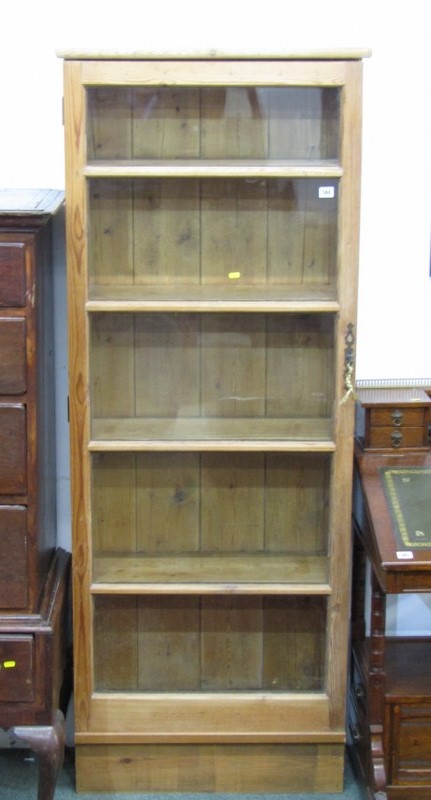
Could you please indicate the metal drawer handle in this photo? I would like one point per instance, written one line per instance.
(397, 417)
(396, 438)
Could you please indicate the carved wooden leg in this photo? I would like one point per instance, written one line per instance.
(48, 743)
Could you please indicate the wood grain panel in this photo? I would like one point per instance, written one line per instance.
(234, 231)
(166, 232)
(109, 131)
(12, 274)
(166, 122)
(167, 365)
(303, 251)
(115, 630)
(112, 367)
(168, 502)
(296, 503)
(17, 676)
(253, 768)
(234, 123)
(13, 362)
(169, 631)
(111, 232)
(114, 503)
(13, 449)
(232, 502)
(294, 643)
(231, 656)
(233, 365)
(13, 557)
(300, 369)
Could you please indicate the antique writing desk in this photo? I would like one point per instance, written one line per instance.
(390, 696)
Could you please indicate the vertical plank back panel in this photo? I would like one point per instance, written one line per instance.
(116, 644)
(114, 502)
(167, 232)
(166, 122)
(233, 502)
(231, 643)
(169, 644)
(167, 365)
(168, 502)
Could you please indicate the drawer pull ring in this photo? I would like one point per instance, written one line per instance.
(396, 438)
(397, 417)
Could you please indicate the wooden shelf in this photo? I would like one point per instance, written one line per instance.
(201, 168)
(215, 573)
(232, 296)
(212, 434)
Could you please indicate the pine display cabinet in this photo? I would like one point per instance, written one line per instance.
(212, 228)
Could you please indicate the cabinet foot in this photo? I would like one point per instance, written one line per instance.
(47, 741)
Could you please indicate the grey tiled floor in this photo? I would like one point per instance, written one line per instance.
(19, 771)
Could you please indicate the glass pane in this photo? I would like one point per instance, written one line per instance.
(216, 232)
(209, 644)
(211, 376)
(213, 123)
(188, 517)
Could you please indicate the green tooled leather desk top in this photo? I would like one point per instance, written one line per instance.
(408, 495)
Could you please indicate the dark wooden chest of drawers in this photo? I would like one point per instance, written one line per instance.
(393, 419)
(33, 571)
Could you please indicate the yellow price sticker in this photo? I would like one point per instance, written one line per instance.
(9, 664)
(233, 276)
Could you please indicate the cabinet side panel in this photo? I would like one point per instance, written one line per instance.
(76, 230)
(340, 522)
(44, 439)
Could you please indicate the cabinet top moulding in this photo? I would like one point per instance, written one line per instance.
(213, 72)
(21, 207)
(337, 54)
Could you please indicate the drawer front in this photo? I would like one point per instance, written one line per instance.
(13, 372)
(13, 451)
(16, 669)
(397, 417)
(411, 743)
(396, 438)
(12, 274)
(13, 557)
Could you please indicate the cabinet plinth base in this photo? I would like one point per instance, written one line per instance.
(210, 768)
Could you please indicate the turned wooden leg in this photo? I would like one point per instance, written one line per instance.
(47, 741)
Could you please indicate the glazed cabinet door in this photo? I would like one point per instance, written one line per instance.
(212, 247)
